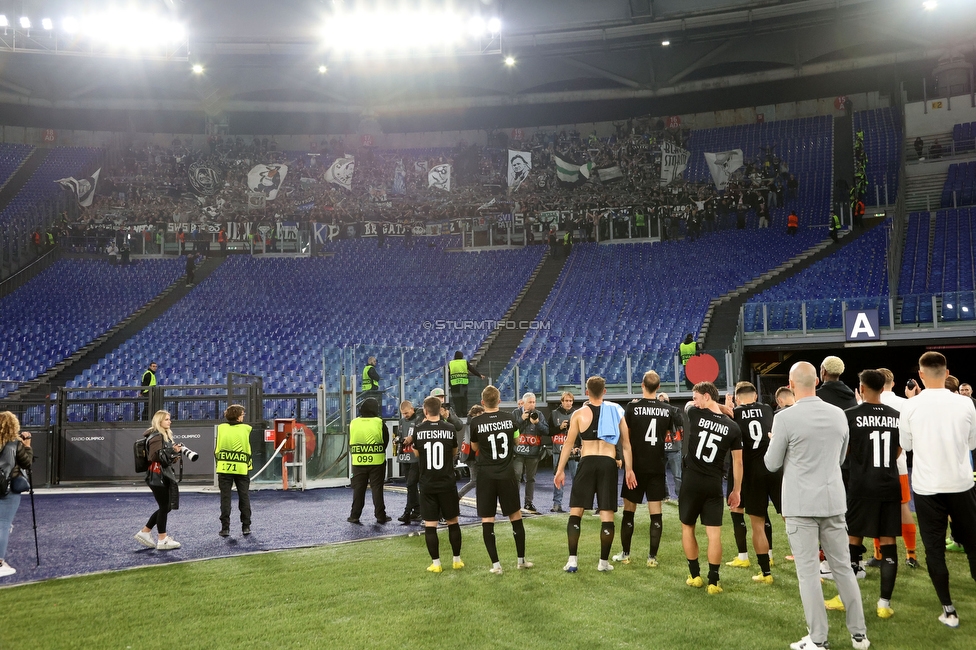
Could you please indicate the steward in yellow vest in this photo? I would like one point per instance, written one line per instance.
(368, 439)
(233, 456)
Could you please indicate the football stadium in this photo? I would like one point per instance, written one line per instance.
(375, 324)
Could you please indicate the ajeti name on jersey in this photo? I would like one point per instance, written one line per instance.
(710, 436)
(873, 450)
(494, 433)
(650, 423)
(755, 422)
(435, 443)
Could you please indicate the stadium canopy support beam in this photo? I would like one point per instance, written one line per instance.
(603, 73)
(701, 61)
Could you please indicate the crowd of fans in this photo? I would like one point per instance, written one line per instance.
(150, 186)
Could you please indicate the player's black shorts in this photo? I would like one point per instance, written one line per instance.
(700, 497)
(490, 492)
(655, 486)
(442, 504)
(595, 475)
(758, 489)
(875, 519)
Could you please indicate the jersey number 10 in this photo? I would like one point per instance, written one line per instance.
(435, 454)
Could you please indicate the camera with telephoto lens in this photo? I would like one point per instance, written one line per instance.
(534, 416)
(189, 454)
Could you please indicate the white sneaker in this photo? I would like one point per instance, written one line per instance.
(497, 570)
(145, 539)
(623, 558)
(860, 641)
(949, 620)
(7, 570)
(860, 574)
(825, 573)
(806, 643)
(604, 566)
(167, 544)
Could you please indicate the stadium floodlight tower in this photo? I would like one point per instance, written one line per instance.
(129, 32)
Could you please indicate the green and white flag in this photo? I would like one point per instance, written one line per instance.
(572, 173)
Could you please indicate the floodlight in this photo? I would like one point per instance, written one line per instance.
(197, 68)
(69, 25)
(509, 61)
(494, 25)
(25, 22)
(930, 5)
(476, 26)
(948, 305)
(323, 69)
(47, 24)
(665, 43)
(3, 21)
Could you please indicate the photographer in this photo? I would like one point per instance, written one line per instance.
(162, 452)
(233, 455)
(528, 446)
(559, 426)
(17, 456)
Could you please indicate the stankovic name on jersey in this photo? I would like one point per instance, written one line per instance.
(880, 421)
(717, 427)
(651, 410)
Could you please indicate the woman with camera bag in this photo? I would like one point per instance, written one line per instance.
(162, 452)
(15, 458)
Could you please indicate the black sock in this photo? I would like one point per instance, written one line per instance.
(739, 528)
(857, 554)
(768, 526)
(657, 527)
(712, 573)
(518, 531)
(454, 534)
(626, 531)
(488, 533)
(433, 544)
(693, 568)
(889, 569)
(606, 539)
(763, 562)
(573, 533)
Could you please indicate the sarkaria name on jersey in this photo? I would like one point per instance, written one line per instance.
(878, 421)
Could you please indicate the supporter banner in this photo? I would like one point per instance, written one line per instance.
(267, 179)
(256, 201)
(722, 164)
(485, 206)
(420, 166)
(341, 171)
(674, 159)
(83, 188)
(205, 179)
(377, 194)
(399, 179)
(440, 177)
(519, 165)
(330, 232)
(235, 230)
(571, 172)
(610, 173)
(550, 217)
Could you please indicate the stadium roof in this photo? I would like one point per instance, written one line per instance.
(597, 59)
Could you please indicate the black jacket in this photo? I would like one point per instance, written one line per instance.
(838, 394)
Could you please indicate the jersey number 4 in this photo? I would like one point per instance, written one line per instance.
(435, 454)
(502, 442)
(707, 441)
(881, 439)
(651, 434)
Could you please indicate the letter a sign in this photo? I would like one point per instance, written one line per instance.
(862, 325)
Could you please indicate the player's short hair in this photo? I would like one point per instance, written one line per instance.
(783, 389)
(873, 379)
(490, 397)
(707, 388)
(406, 404)
(476, 410)
(745, 387)
(888, 375)
(432, 406)
(651, 381)
(234, 412)
(932, 361)
(952, 383)
(833, 366)
(596, 386)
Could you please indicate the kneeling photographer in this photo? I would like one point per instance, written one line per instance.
(162, 452)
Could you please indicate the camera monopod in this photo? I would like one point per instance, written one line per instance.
(37, 552)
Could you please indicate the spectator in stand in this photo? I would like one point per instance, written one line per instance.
(935, 151)
(792, 223)
(919, 147)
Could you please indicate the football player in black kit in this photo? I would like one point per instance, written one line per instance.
(874, 491)
(649, 422)
(710, 436)
(435, 442)
(493, 439)
(759, 485)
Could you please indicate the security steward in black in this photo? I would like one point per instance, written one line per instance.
(460, 371)
(148, 379)
(368, 439)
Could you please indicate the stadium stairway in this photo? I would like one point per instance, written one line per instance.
(499, 348)
(722, 319)
(21, 176)
(89, 355)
